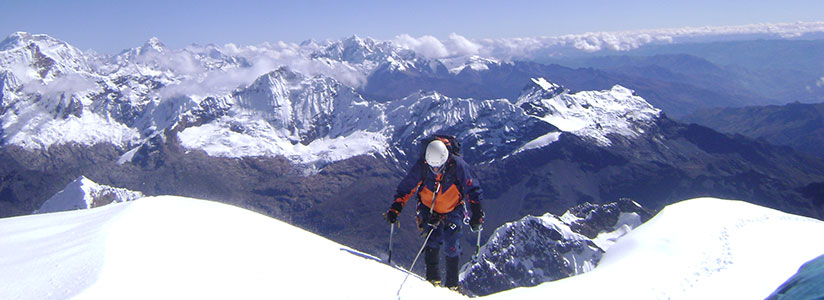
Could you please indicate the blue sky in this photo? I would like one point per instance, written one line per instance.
(110, 26)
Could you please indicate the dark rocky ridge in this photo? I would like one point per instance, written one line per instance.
(534, 249)
(670, 163)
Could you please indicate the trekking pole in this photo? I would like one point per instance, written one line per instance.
(391, 234)
(431, 229)
(414, 261)
(477, 245)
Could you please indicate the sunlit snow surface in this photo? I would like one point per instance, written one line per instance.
(703, 248)
(180, 248)
(34, 129)
(260, 139)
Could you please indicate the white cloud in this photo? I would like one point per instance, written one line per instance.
(588, 43)
(23, 72)
(513, 47)
(528, 47)
(339, 71)
(222, 81)
(460, 45)
(181, 62)
(68, 84)
(426, 45)
(820, 82)
(262, 59)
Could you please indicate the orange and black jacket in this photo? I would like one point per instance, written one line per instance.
(457, 185)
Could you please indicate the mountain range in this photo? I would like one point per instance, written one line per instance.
(682, 78)
(797, 125)
(319, 134)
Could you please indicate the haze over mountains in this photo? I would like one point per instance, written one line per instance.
(318, 134)
(798, 125)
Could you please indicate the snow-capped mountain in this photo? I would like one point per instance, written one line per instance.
(366, 54)
(489, 129)
(458, 64)
(285, 113)
(82, 193)
(127, 99)
(305, 109)
(289, 111)
(592, 114)
(537, 249)
(41, 57)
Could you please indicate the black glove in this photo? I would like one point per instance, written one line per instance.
(392, 214)
(477, 219)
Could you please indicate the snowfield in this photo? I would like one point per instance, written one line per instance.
(703, 248)
(180, 248)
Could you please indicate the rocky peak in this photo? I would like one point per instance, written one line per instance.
(357, 50)
(468, 64)
(273, 86)
(536, 90)
(309, 43)
(49, 57)
(540, 88)
(153, 44)
(485, 127)
(591, 114)
(302, 108)
(536, 249)
(8, 82)
(23, 39)
(83, 193)
(14, 40)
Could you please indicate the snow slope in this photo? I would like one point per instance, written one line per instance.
(703, 248)
(179, 248)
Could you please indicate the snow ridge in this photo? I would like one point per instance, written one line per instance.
(673, 256)
(114, 252)
(82, 193)
(206, 250)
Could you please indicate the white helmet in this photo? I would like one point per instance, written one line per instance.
(436, 154)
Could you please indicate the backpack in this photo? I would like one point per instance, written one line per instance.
(451, 142)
